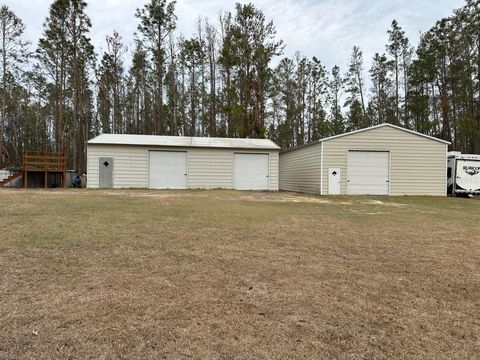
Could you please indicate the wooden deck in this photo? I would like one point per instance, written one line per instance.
(37, 162)
(44, 162)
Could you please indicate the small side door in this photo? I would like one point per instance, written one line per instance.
(334, 181)
(105, 173)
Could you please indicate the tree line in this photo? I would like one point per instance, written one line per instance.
(228, 80)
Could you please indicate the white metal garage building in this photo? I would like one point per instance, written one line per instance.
(177, 162)
(381, 160)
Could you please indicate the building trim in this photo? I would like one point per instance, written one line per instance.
(321, 168)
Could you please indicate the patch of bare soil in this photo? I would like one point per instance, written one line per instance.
(282, 197)
(384, 203)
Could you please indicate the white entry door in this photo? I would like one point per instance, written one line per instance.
(368, 173)
(167, 170)
(334, 181)
(251, 172)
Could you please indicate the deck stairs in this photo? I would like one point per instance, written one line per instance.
(9, 172)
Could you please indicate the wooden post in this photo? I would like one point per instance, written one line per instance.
(64, 169)
(46, 179)
(25, 173)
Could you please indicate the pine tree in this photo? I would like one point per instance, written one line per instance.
(212, 55)
(13, 53)
(381, 101)
(191, 54)
(396, 47)
(82, 60)
(355, 85)
(66, 57)
(223, 82)
(336, 83)
(111, 86)
(141, 88)
(157, 22)
(249, 46)
(317, 98)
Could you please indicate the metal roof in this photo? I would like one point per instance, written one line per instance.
(367, 129)
(184, 141)
(389, 125)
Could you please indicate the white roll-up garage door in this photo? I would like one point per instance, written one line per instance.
(368, 173)
(251, 172)
(167, 170)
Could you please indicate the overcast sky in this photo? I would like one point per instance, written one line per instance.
(326, 29)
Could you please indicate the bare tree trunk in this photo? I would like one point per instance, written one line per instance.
(159, 125)
(213, 99)
(397, 96)
(405, 91)
(360, 89)
(173, 92)
(4, 94)
(76, 134)
(476, 140)
(192, 101)
(61, 101)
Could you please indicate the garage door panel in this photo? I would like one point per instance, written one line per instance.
(368, 173)
(367, 190)
(251, 172)
(167, 170)
(365, 180)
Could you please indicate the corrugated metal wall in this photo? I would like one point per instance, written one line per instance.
(300, 170)
(207, 168)
(130, 167)
(417, 164)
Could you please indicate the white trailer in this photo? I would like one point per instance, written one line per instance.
(463, 173)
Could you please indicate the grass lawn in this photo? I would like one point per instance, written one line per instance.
(225, 274)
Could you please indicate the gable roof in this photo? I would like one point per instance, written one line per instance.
(368, 129)
(385, 125)
(184, 141)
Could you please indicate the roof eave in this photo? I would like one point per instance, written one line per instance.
(188, 146)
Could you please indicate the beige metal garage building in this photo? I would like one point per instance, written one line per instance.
(381, 160)
(177, 162)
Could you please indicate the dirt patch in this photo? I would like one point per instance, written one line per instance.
(384, 203)
(282, 197)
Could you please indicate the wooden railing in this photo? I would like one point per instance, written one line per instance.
(39, 162)
(11, 164)
(44, 161)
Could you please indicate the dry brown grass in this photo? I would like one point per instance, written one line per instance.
(224, 274)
